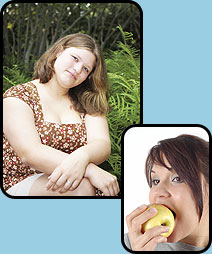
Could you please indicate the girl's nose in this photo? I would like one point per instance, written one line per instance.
(78, 68)
(161, 191)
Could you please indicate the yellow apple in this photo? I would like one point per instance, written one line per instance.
(163, 217)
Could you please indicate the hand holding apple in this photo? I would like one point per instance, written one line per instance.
(164, 217)
(139, 240)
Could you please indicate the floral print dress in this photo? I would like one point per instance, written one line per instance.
(64, 137)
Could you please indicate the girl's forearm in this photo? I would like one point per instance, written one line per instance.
(46, 159)
(97, 151)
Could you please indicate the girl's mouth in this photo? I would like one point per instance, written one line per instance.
(73, 76)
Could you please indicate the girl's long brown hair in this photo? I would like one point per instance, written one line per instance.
(91, 96)
(188, 155)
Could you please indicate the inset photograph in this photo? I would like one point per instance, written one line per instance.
(166, 188)
(71, 83)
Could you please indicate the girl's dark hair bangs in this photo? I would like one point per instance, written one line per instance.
(188, 156)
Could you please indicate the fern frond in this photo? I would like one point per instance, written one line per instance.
(124, 74)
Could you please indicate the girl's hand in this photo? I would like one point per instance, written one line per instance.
(149, 240)
(102, 180)
(69, 173)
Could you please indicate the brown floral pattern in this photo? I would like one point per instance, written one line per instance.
(64, 137)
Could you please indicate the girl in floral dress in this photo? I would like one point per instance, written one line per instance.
(55, 128)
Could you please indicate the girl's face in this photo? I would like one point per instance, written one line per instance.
(168, 189)
(72, 66)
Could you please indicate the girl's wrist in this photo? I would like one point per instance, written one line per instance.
(89, 170)
(82, 154)
(85, 155)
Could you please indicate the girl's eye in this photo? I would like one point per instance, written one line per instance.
(86, 69)
(75, 58)
(155, 182)
(177, 179)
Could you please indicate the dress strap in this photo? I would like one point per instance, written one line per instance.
(82, 116)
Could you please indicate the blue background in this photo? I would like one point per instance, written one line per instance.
(177, 87)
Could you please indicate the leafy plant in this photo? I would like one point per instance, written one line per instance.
(13, 76)
(124, 74)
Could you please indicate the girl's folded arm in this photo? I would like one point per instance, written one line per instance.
(20, 130)
(98, 140)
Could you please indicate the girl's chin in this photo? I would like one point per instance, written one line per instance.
(173, 237)
(69, 83)
(66, 84)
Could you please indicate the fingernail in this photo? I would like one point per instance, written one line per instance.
(165, 229)
(55, 187)
(142, 207)
(153, 210)
(163, 239)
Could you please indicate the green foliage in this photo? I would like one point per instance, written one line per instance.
(124, 74)
(29, 29)
(13, 76)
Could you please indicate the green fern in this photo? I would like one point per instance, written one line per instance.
(13, 76)
(124, 75)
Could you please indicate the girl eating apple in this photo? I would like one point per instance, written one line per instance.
(177, 172)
